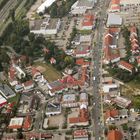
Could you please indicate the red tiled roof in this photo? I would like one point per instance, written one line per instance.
(138, 59)
(115, 2)
(83, 117)
(80, 133)
(34, 71)
(111, 53)
(81, 61)
(88, 20)
(126, 65)
(108, 39)
(28, 83)
(27, 122)
(133, 29)
(111, 113)
(114, 135)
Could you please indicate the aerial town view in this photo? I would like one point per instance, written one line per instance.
(69, 69)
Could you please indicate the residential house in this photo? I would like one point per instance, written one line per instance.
(69, 100)
(111, 52)
(28, 86)
(45, 26)
(36, 74)
(81, 134)
(122, 102)
(126, 66)
(6, 91)
(53, 109)
(114, 135)
(135, 49)
(82, 119)
(56, 87)
(82, 51)
(82, 62)
(114, 6)
(88, 22)
(110, 116)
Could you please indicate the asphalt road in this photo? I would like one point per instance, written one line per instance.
(97, 52)
(5, 10)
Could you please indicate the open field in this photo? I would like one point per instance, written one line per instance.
(50, 73)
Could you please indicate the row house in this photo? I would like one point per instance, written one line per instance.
(135, 49)
(111, 52)
(126, 66)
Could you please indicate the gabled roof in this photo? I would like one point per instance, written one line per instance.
(88, 20)
(114, 135)
(111, 113)
(27, 122)
(80, 133)
(28, 83)
(108, 39)
(126, 65)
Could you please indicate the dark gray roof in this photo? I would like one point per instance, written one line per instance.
(6, 91)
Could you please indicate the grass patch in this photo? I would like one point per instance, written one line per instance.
(134, 84)
(85, 32)
(50, 72)
(14, 99)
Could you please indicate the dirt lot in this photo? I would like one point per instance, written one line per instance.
(56, 121)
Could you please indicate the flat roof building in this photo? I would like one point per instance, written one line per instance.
(45, 26)
(114, 20)
(6, 91)
(16, 123)
(53, 109)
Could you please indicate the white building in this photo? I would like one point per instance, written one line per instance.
(16, 123)
(19, 72)
(81, 6)
(114, 20)
(43, 6)
(46, 26)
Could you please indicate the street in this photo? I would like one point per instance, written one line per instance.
(97, 52)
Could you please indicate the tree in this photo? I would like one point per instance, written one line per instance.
(19, 134)
(69, 60)
(12, 14)
(53, 10)
(31, 37)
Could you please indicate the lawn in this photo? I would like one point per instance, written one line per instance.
(50, 72)
(14, 99)
(134, 84)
